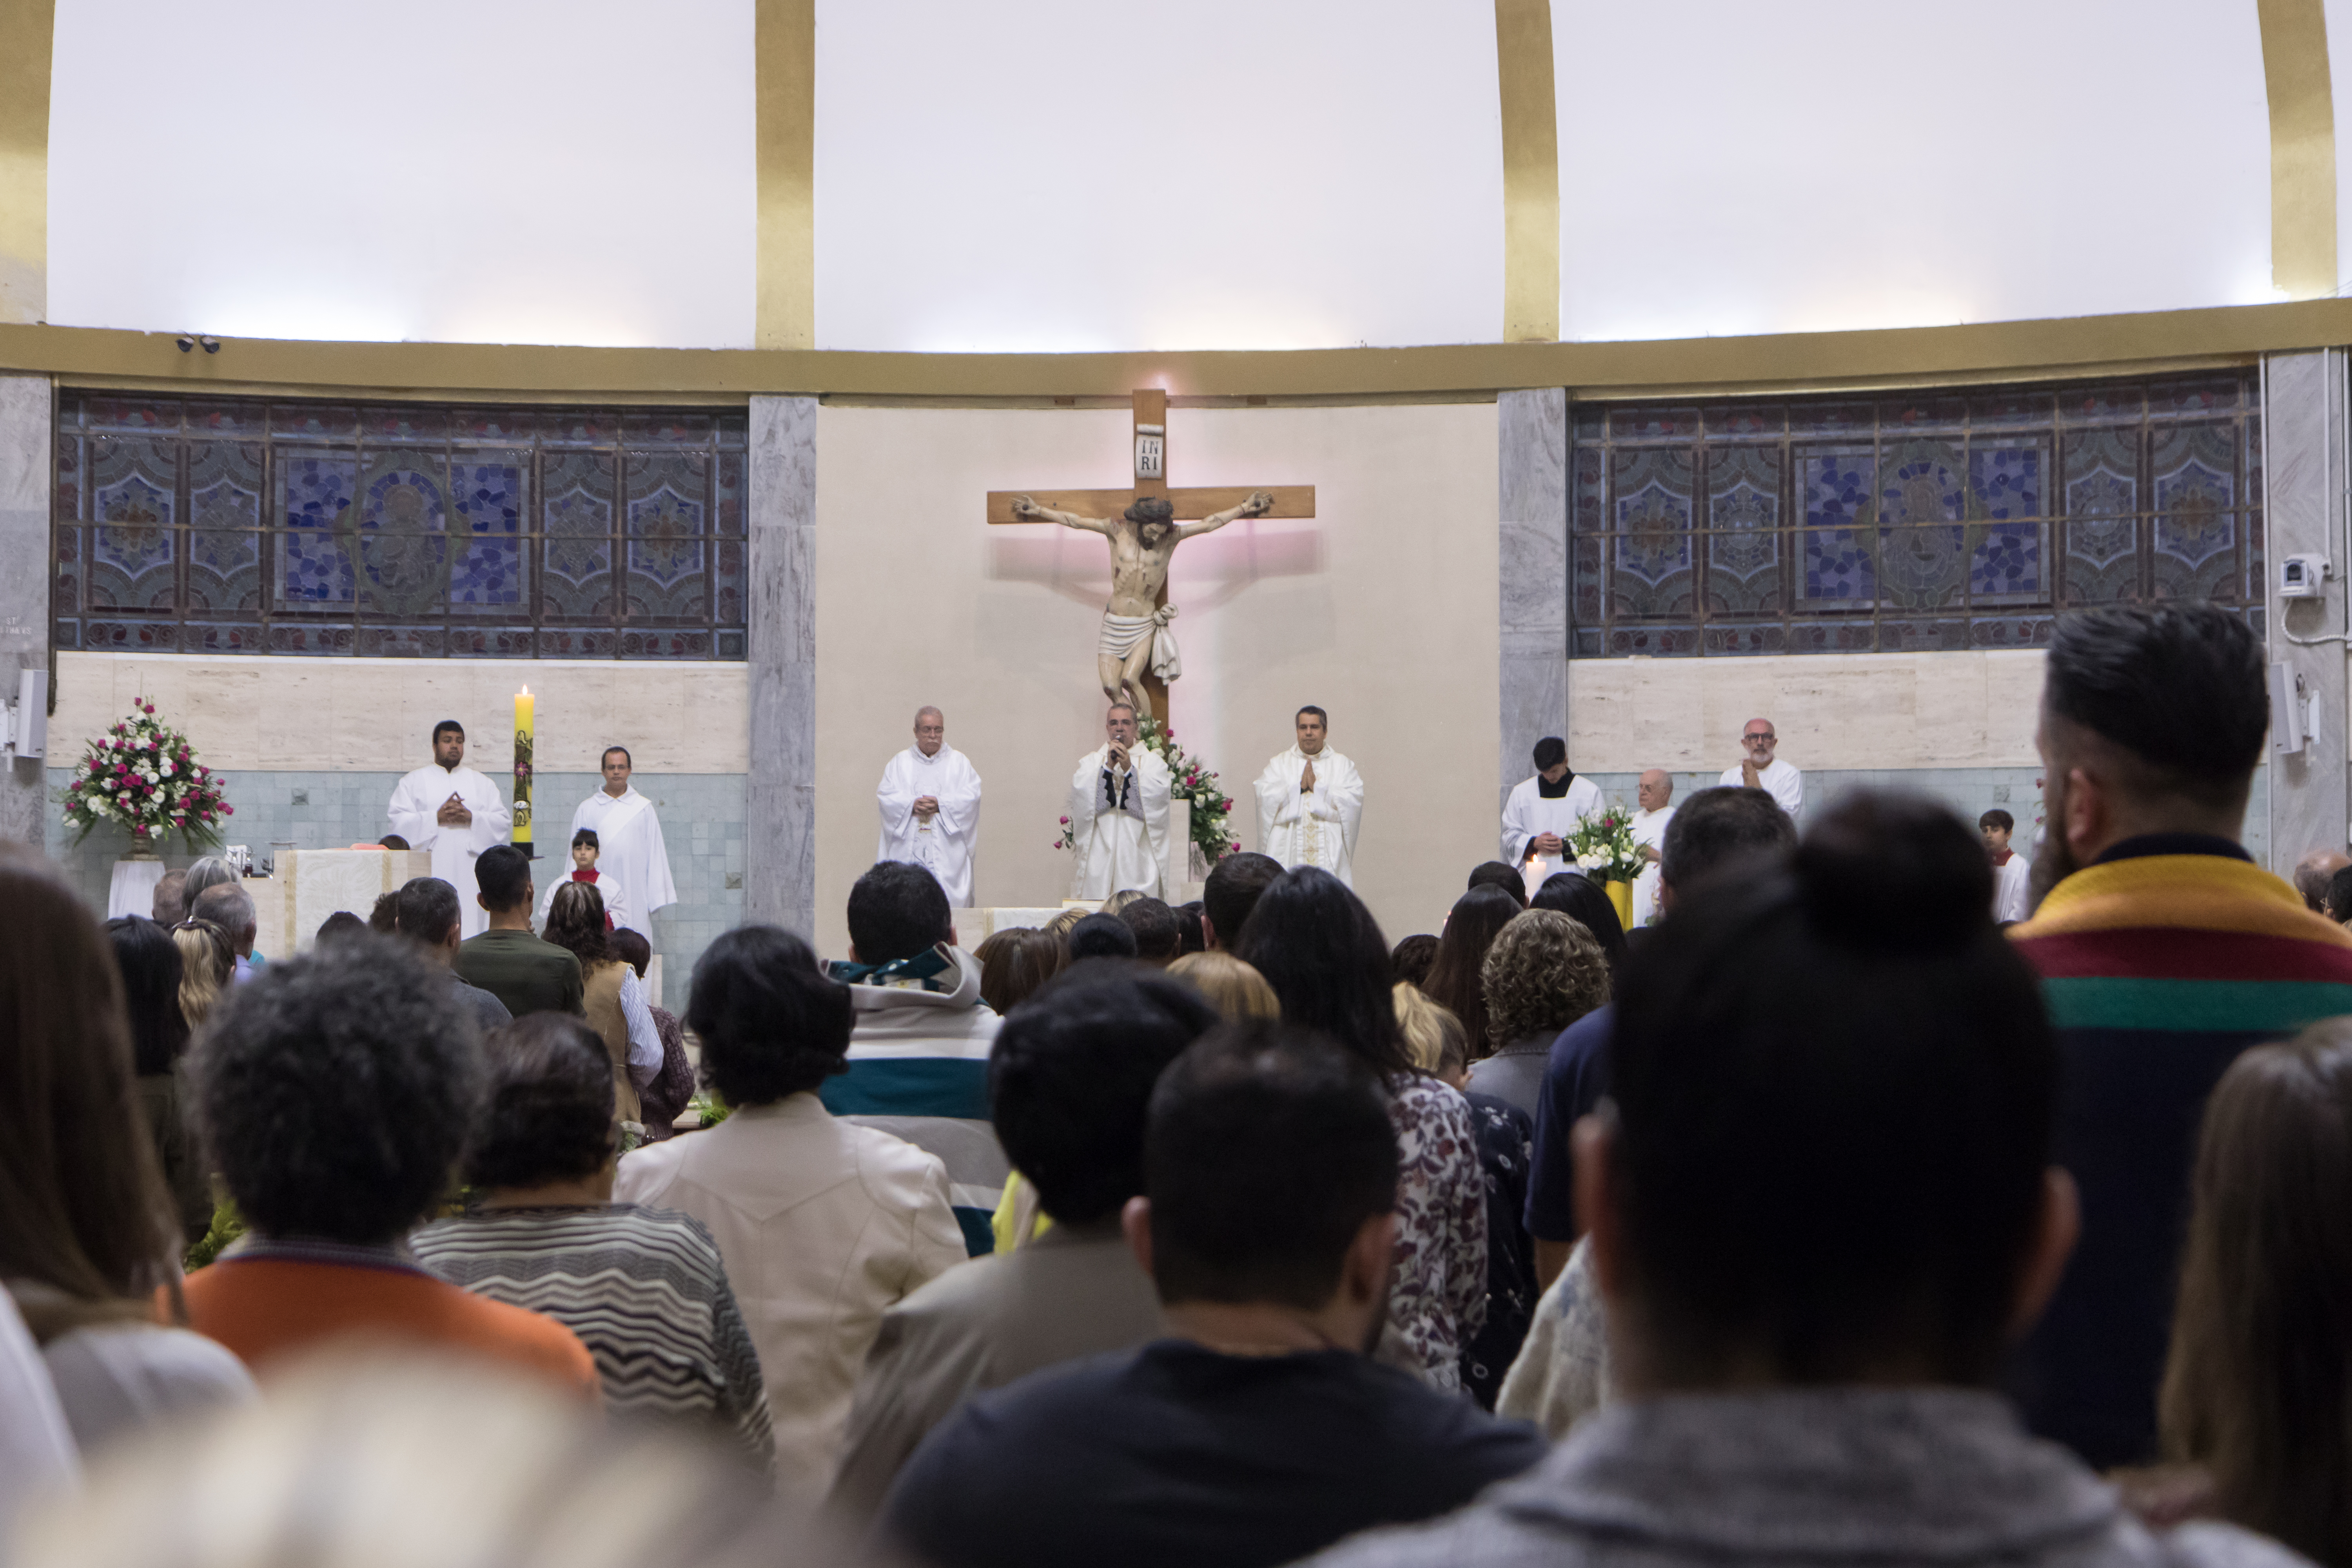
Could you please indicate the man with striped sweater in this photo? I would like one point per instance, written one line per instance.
(2163, 951)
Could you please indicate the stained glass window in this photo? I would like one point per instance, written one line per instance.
(1901, 522)
(401, 530)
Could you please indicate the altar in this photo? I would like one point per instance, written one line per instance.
(306, 885)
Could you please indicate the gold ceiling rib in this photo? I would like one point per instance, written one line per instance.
(2014, 350)
(784, 51)
(26, 34)
(1530, 172)
(2303, 147)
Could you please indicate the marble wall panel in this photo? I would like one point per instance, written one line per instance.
(1531, 571)
(781, 671)
(2303, 398)
(363, 713)
(25, 416)
(1832, 711)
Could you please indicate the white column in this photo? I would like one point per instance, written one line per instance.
(2305, 473)
(780, 826)
(25, 418)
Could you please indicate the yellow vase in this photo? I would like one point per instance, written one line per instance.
(1621, 895)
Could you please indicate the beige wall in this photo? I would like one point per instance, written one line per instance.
(1382, 609)
(377, 714)
(1831, 710)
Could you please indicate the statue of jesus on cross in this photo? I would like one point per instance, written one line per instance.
(1135, 632)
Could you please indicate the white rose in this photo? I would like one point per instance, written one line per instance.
(166, 768)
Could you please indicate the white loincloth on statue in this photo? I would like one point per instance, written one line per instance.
(1120, 634)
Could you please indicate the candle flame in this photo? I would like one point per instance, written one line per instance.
(524, 692)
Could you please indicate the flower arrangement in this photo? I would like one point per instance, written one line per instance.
(144, 774)
(1602, 848)
(1213, 809)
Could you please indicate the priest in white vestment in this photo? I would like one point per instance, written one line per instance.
(1656, 793)
(930, 798)
(1543, 811)
(1759, 769)
(629, 839)
(1119, 813)
(454, 813)
(1309, 800)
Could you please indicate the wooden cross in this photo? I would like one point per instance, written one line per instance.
(1191, 504)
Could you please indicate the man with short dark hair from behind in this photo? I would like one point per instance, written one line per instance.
(2311, 875)
(1069, 1082)
(1231, 893)
(331, 1177)
(525, 973)
(2165, 951)
(1716, 830)
(424, 911)
(918, 1054)
(1158, 938)
(1101, 936)
(1260, 1430)
(1825, 1206)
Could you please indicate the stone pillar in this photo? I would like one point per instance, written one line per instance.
(780, 822)
(2304, 472)
(1532, 459)
(25, 412)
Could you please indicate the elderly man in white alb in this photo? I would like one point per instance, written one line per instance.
(1543, 811)
(454, 812)
(1656, 793)
(1118, 812)
(1309, 800)
(1758, 769)
(930, 799)
(629, 845)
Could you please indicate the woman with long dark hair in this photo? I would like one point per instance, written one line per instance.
(149, 962)
(2257, 1391)
(1456, 981)
(614, 1003)
(1321, 951)
(89, 1240)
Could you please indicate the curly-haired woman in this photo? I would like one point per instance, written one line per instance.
(1543, 973)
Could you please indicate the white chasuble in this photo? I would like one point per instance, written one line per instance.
(629, 847)
(1311, 827)
(944, 845)
(1119, 822)
(1528, 812)
(1649, 832)
(416, 811)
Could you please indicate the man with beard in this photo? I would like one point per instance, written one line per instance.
(2163, 951)
(1259, 1430)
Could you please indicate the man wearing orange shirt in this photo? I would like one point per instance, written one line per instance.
(336, 1091)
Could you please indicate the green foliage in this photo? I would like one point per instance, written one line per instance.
(228, 1225)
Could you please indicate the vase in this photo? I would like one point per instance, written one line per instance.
(1621, 898)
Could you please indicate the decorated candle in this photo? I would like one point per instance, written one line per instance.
(526, 707)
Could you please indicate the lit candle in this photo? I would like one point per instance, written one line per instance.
(526, 707)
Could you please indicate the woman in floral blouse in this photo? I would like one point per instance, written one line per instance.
(1324, 954)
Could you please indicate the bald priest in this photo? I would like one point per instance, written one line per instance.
(929, 800)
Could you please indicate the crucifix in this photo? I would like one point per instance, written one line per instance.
(1136, 657)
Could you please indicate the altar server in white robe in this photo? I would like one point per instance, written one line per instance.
(1119, 813)
(628, 838)
(1759, 769)
(930, 797)
(1543, 811)
(1655, 792)
(454, 812)
(1309, 800)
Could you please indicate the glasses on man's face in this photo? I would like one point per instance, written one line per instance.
(1759, 735)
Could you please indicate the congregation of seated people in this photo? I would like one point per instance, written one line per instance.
(1830, 1213)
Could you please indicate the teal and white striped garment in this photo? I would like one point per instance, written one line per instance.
(645, 1290)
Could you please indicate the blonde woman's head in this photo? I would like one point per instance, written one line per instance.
(206, 959)
(1233, 987)
(1433, 1037)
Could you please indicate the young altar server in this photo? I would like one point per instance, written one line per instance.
(454, 812)
(1118, 812)
(629, 840)
(584, 869)
(1544, 810)
(1309, 800)
(929, 800)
